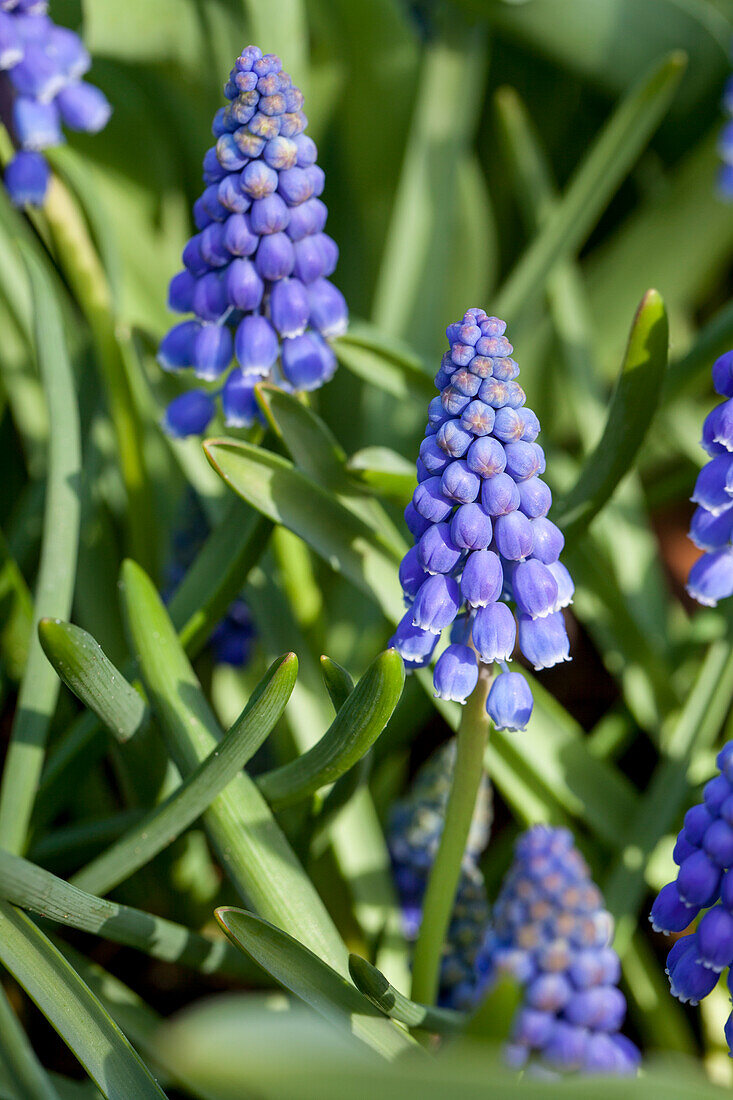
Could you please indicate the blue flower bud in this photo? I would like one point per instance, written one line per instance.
(566, 1047)
(238, 400)
(229, 154)
(258, 180)
(456, 673)
(434, 457)
(328, 312)
(715, 939)
(717, 429)
(565, 586)
(486, 457)
(509, 703)
(471, 527)
(698, 820)
(269, 214)
(307, 219)
(711, 577)
(544, 642)
(549, 992)
(239, 240)
(723, 374)
(494, 633)
(465, 382)
(535, 498)
(176, 347)
(482, 578)
(437, 603)
(453, 439)
(416, 524)
(514, 536)
(27, 177)
(709, 532)
(244, 287)
(718, 843)
(413, 644)
(714, 485)
(210, 297)
(482, 366)
(430, 501)
(37, 124)
(682, 849)
(477, 418)
(436, 549)
(307, 361)
(698, 880)
(411, 573)
(212, 351)
(548, 540)
(83, 107)
(255, 345)
(189, 414)
(522, 460)
(535, 588)
(689, 980)
(715, 792)
(289, 307)
(500, 495)
(180, 292)
(459, 483)
(603, 1008)
(453, 401)
(508, 424)
(275, 257)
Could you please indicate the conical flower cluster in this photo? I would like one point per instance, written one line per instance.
(482, 536)
(711, 529)
(42, 67)
(552, 935)
(415, 829)
(704, 882)
(256, 274)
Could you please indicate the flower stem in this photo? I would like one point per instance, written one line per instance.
(445, 874)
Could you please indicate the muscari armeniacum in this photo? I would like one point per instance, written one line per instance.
(256, 274)
(415, 828)
(711, 529)
(41, 69)
(482, 537)
(704, 884)
(552, 935)
(725, 144)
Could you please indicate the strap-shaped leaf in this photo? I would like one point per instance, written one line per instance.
(85, 668)
(338, 681)
(384, 471)
(251, 846)
(296, 968)
(632, 409)
(356, 727)
(73, 1010)
(389, 1000)
(18, 1056)
(57, 570)
(384, 362)
(275, 488)
(165, 822)
(33, 888)
(593, 184)
(16, 614)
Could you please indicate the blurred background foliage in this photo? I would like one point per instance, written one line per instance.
(451, 133)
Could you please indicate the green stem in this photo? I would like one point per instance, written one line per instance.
(443, 882)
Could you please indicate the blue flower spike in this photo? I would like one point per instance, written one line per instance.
(415, 828)
(552, 935)
(483, 541)
(43, 65)
(703, 885)
(711, 527)
(725, 144)
(257, 273)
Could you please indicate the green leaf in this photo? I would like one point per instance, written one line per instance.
(633, 404)
(385, 363)
(165, 822)
(373, 984)
(338, 681)
(84, 667)
(17, 1054)
(593, 184)
(16, 614)
(296, 968)
(72, 1009)
(55, 586)
(384, 471)
(275, 488)
(492, 1021)
(33, 888)
(356, 727)
(251, 847)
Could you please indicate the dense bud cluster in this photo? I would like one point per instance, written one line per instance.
(232, 637)
(482, 536)
(704, 855)
(711, 529)
(415, 829)
(552, 935)
(256, 274)
(42, 67)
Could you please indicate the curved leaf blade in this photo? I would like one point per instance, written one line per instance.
(358, 724)
(18, 1056)
(165, 822)
(373, 984)
(385, 363)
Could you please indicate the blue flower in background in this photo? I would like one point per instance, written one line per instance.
(232, 638)
(704, 884)
(415, 828)
(711, 529)
(725, 144)
(256, 274)
(42, 68)
(482, 536)
(552, 935)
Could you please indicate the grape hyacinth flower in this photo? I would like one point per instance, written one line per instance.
(42, 66)
(704, 884)
(415, 828)
(482, 537)
(256, 274)
(711, 528)
(552, 935)
(725, 144)
(232, 637)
